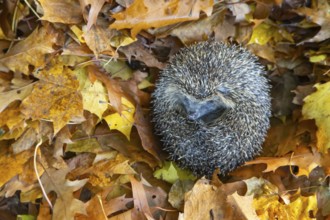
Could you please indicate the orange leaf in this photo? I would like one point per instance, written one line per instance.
(144, 14)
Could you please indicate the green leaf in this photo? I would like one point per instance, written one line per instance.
(170, 172)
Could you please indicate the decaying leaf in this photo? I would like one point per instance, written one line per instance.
(55, 97)
(141, 15)
(66, 206)
(63, 11)
(31, 51)
(12, 165)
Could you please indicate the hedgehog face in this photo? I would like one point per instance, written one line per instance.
(206, 110)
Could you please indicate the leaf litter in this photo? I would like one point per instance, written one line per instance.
(78, 81)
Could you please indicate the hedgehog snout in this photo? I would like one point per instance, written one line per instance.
(204, 111)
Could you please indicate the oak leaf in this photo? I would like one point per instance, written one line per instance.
(66, 206)
(145, 14)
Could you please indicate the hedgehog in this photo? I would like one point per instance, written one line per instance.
(211, 107)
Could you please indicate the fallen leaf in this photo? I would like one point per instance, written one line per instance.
(97, 39)
(18, 94)
(61, 11)
(31, 51)
(123, 122)
(12, 165)
(140, 198)
(143, 14)
(177, 192)
(87, 145)
(144, 128)
(317, 107)
(303, 158)
(54, 97)
(269, 207)
(170, 172)
(66, 206)
(205, 202)
(94, 94)
(243, 206)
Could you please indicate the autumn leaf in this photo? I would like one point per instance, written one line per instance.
(31, 51)
(66, 206)
(141, 15)
(54, 97)
(269, 207)
(170, 172)
(122, 122)
(12, 165)
(97, 38)
(303, 158)
(205, 202)
(317, 107)
(62, 11)
(94, 94)
(266, 31)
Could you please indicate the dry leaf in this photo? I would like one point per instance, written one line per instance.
(55, 97)
(61, 11)
(143, 14)
(31, 51)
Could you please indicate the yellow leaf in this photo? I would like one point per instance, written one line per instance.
(269, 207)
(54, 97)
(123, 122)
(78, 32)
(94, 94)
(317, 106)
(317, 58)
(12, 165)
(262, 33)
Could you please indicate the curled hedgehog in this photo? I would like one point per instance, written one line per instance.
(211, 107)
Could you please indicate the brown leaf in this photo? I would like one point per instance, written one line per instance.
(205, 202)
(305, 159)
(148, 139)
(66, 206)
(141, 53)
(140, 199)
(97, 39)
(31, 51)
(145, 14)
(61, 11)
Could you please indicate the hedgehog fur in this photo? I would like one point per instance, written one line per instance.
(211, 107)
